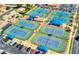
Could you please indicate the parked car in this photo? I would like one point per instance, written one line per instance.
(27, 50)
(21, 46)
(13, 43)
(3, 52)
(33, 51)
(37, 52)
(77, 38)
(18, 45)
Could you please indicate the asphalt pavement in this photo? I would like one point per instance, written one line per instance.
(8, 48)
(76, 43)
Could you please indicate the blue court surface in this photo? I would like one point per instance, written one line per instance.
(55, 31)
(42, 10)
(34, 14)
(27, 24)
(52, 43)
(18, 32)
(58, 21)
(63, 14)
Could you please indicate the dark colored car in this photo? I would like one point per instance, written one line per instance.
(21, 46)
(77, 38)
(37, 52)
(28, 49)
(14, 43)
(18, 45)
(3, 53)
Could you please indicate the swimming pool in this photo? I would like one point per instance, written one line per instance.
(18, 32)
(27, 24)
(52, 43)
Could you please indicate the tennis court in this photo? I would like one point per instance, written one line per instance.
(34, 14)
(18, 32)
(27, 24)
(62, 14)
(42, 10)
(52, 43)
(58, 21)
(55, 31)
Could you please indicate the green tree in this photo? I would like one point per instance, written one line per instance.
(19, 5)
(8, 7)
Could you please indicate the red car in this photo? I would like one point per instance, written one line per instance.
(33, 51)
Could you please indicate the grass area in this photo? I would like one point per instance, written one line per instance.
(71, 46)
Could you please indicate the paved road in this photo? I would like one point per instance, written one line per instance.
(76, 44)
(6, 13)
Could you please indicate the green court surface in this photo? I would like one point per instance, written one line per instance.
(18, 32)
(52, 42)
(55, 31)
(27, 24)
